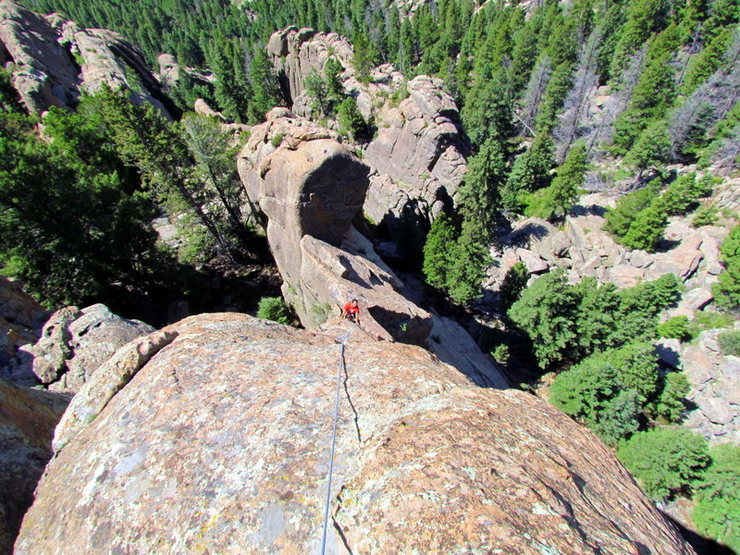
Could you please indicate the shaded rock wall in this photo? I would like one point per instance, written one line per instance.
(220, 443)
(21, 318)
(55, 61)
(27, 420)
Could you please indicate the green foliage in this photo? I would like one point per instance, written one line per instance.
(670, 404)
(555, 201)
(273, 308)
(73, 224)
(620, 218)
(729, 342)
(439, 251)
(707, 61)
(569, 322)
(717, 511)
(350, 120)
(683, 194)
(530, 171)
(479, 194)
(619, 418)
(514, 282)
(727, 290)
(471, 257)
(264, 84)
(277, 139)
(10, 100)
(589, 391)
(706, 215)
(709, 320)
(545, 313)
(501, 354)
(651, 148)
(675, 328)
(665, 461)
(647, 229)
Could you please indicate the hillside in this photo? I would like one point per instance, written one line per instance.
(539, 195)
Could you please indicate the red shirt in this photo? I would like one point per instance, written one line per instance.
(349, 308)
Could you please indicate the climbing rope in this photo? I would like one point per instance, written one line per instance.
(341, 368)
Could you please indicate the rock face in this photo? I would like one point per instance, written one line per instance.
(27, 420)
(715, 389)
(420, 144)
(418, 156)
(56, 61)
(74, 343)
(309, 187)
(221, 442)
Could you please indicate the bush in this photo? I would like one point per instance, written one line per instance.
(675, 328)
(273, 308)
(717, 511)
(706, 215)
(708, 320)
(609, 390)
(619, 419)
(501, 354)
(665, 461)
(729, 342)
(670, 404)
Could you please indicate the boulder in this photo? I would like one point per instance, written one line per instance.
(19, 308)
(183, 460)
(624, 275)
(74, 343)
(534, 264)
(419, 152)
(27, 420)
(697, 298)
(56, 61)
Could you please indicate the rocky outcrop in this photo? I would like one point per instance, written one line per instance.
(309, 187)
(27, 420)
(584, 249)
(221, 441)
(418, 157)
(74, 343)
(420, 143)
(715, 389)
(55, 61)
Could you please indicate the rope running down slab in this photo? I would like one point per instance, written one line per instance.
(341, 369)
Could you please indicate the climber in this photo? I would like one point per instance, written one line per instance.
(351, 311)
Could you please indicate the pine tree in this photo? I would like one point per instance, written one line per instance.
(264, 85)
(479, 195)
(652, 147)
(565, 188)
(471, 257)
(439, 251)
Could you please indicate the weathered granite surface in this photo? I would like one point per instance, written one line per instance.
(220, 443)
